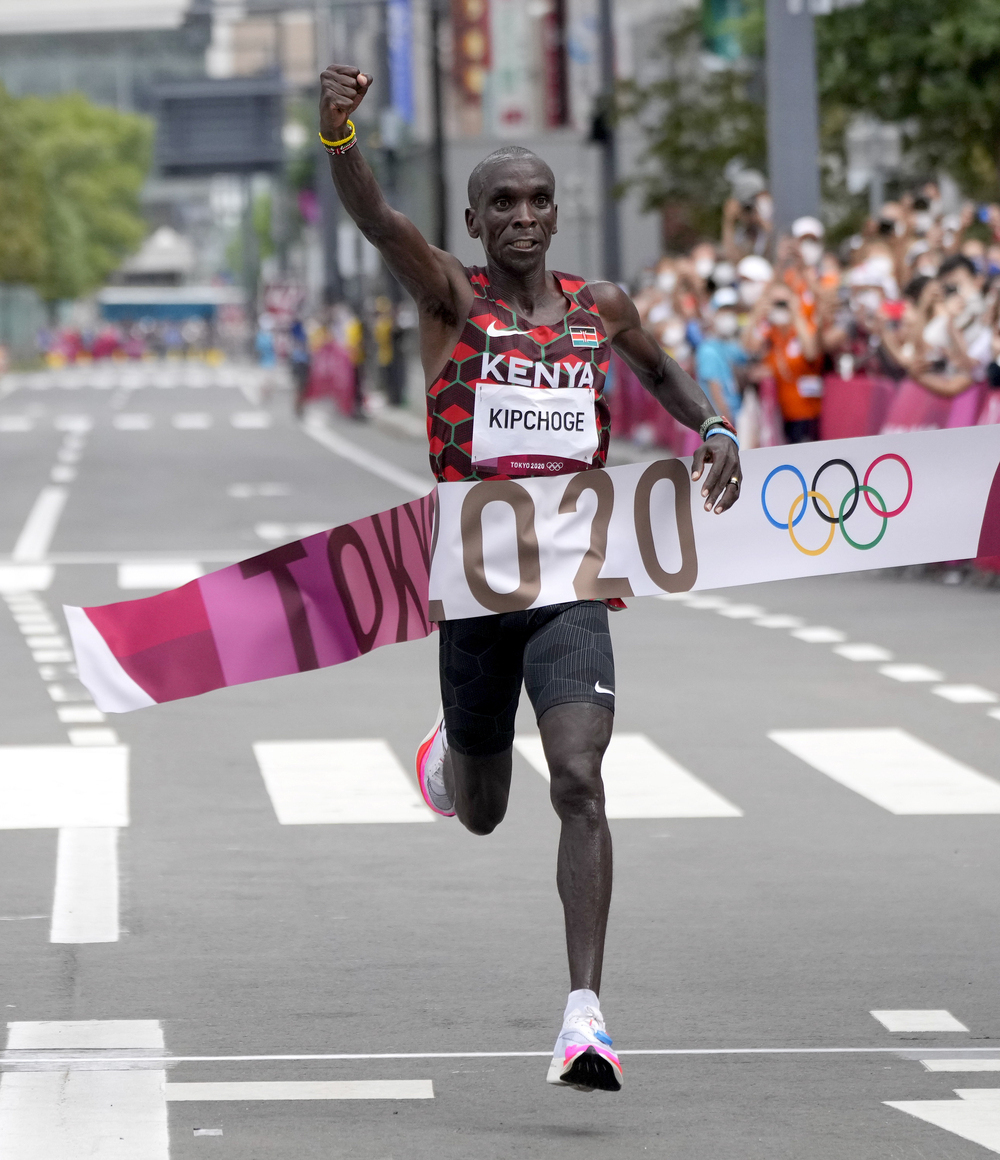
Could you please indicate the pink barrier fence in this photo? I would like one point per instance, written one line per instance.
(332, 375)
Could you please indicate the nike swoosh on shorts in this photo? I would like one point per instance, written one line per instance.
(597, 686)
(494, 333)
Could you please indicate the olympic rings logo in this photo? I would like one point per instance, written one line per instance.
(797, 511)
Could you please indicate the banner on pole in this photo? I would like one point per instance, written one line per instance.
(475, 549)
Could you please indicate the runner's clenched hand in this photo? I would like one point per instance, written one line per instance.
(719, 489)
(342, 89)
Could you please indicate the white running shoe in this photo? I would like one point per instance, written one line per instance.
(583, 1058)
(430, 769)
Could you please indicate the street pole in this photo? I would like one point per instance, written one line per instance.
(792, 112)
(440, 177)
(605, 135)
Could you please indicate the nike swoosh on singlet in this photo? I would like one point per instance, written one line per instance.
(597, 686)
(492, 331)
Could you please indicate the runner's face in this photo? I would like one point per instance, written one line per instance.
(516, 215)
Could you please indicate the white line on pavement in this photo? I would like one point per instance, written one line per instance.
(55, 786)
(894, 770)
(372, 463)
(85, 902)
(975, 1119)
(84, 1115)
(161, 574)
(641, 781)
(338, 782)
(961, 1064)
(918, 1020)
(40, 526)
(966, 694)
(910, 673)
(863, 652)
(347, 1089)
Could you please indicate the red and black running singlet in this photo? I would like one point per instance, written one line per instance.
(513, 402)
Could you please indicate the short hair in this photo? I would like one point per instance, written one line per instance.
(477, 178)
(956, 262)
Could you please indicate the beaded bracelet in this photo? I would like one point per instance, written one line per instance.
(335, 148)
(723, 431)
(715, 421)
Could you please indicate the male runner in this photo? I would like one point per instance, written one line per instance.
(519, 335)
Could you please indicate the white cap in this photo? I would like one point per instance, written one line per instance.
(807, 227)
(725, 296)
(755, 268)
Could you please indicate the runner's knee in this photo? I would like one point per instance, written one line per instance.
(577, 790)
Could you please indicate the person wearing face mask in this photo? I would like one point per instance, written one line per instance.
(755, 275)
(808, 233)
(720, 353)
(786, 342)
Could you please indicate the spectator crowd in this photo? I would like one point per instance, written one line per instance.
(794, 339)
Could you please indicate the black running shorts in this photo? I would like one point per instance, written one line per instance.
(561, 652)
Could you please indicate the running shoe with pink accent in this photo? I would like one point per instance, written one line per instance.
(583, 1058)
(430, 769)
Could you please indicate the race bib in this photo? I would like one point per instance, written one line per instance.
(534, 431)
(810, 387)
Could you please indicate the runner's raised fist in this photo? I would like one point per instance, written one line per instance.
(342, 89)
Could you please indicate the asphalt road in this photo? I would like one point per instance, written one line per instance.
(747, 948)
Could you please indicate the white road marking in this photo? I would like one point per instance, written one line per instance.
(975, 1119)
(52, 786)
(819, 634)
(338, 782)
(251, 490)
(966, 694)
(73, 423)
(279, 533)
(16, 423)
(80, 715)
(909, 673)
(162, 574)
(863, 652)
(345, 1089)
(48, 641)
(994, 713)
(641, 781)
(741, 612)
(25, 578)
(52, 656)
(192, 421)
(40, 526)
(93, 737)
(85, 902)
(918, 1021)
(404, 480)
(779, 620)
(707, 603)
(894, 770)
(129, 421)
(251, 420)
(961, 1064)
(62, 474)
(84, 1115)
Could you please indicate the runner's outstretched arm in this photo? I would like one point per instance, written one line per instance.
(674, 389)
(436, 280)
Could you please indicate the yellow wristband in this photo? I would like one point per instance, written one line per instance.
(334, 144)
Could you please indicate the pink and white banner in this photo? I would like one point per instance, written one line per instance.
(312, 603)
(638, 530)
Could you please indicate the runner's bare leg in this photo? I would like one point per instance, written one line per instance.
(574, 737)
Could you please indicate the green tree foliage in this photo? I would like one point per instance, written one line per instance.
(75, 171)
(22, 250)
(931, 64)
(696, 119)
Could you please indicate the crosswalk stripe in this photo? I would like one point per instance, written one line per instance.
(975, 1119)
(338, 782)
(85, 902)
(370, 1089)
(40, 526)
(961, 1064)
(641, 781)
(158, 574)
(78, 1114)
(918, 1020)
(894, 770)
(52, 786)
